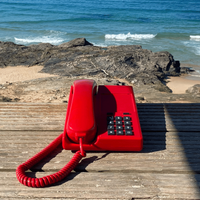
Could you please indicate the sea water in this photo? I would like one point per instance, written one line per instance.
(157, 25)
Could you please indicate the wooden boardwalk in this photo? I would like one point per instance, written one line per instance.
(167, 168)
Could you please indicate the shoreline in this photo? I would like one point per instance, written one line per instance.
(193, 75)
(179, 85)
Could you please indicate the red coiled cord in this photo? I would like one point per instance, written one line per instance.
(50, 179)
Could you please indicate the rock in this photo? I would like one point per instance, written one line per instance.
(111, 82)
(140, 98)
(16, 99)
(12, 54)
(76, 42)
(5, 99)
(80, 58)
(186, 70)
(194, 90)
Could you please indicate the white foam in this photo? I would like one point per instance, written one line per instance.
(43, 39)
(195, 75)
(197, 50)
(195, 37)
(129, 36)
(100, 44)
(193, 46)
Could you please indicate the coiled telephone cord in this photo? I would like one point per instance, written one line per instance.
(50, 179)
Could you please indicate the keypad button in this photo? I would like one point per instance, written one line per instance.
(119, 127)
(128, 128)
(111, 132)
(110, 118)
(128, 132)
(118, 122)
(127, 122)
(110, 127)
(118, 118)
(111, 122)
(120, 132)
(127, 118)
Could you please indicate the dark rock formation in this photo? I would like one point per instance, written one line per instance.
(75, 43)
(80, 58)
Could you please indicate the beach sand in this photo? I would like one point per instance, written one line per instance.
(179, 85)
(12, 85)
(21, 73)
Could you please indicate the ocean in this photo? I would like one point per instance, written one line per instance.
(157, 25)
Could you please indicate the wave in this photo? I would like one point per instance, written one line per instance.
(195, 37)
(100, 44)
(193, 45)
(195, 75)
(129, 36)
(43, 39)
(197, 50)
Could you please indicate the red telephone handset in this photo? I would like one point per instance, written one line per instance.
(106, 120)
(80, 120)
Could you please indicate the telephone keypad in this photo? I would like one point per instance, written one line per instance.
(119, 125)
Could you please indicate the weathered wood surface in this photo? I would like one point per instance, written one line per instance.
(167, 168)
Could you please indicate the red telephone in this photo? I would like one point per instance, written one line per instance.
(102, 118)
(106, 119)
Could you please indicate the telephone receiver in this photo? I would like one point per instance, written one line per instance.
(80, 119)
(98, 118)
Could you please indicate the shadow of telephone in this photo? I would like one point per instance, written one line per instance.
(102, 118)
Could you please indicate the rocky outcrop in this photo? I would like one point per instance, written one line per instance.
(194, 90)
(80, 58)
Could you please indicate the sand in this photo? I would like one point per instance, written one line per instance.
(21, 73)
(30, 93)
(179, 85)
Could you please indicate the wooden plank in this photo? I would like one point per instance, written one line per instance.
(168, 167)
(153, 117)
(29, 116)
(106, 186)
(170, 152)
